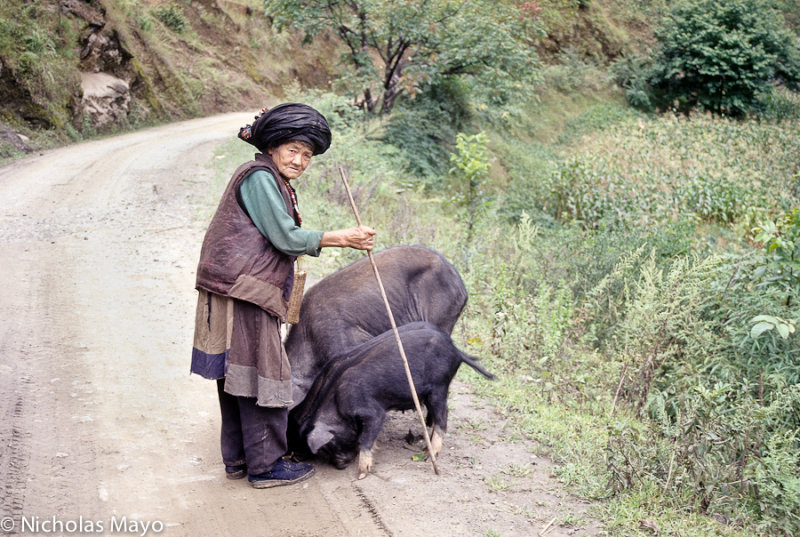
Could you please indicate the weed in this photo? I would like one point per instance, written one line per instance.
(518, 470)
(571, 519)
(497, 484)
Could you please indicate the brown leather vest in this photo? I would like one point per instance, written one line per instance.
(236, 260)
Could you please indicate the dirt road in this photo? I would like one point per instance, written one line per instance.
(103, 431)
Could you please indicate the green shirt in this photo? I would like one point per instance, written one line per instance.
(267, 209)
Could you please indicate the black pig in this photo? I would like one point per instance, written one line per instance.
(345, 409)
(345, 308)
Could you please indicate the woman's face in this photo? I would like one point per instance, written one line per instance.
(291, 158)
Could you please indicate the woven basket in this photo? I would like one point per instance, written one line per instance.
(296, 299)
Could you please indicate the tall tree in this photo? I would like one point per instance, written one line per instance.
(398, 46)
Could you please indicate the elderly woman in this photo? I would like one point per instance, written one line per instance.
(245, 278)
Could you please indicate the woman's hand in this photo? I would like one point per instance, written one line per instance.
(360, 238)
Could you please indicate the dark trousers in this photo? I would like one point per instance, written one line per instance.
(251, 434)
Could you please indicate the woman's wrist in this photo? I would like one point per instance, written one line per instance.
(356, 237)
(333, 238)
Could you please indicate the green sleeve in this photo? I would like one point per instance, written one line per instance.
(265, 205)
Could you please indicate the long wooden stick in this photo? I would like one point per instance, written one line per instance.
(396, 332)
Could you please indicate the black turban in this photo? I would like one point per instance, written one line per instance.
(288, 122)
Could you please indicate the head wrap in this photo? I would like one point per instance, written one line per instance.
(288, 122)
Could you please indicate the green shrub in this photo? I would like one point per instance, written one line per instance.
(529, 316)
(528, 165)
(782, 263)
(720, 56)
(595, 119)
(632, 74)
(172, 16)
(471, 167)
(145, 22)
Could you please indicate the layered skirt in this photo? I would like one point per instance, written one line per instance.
(241, 343)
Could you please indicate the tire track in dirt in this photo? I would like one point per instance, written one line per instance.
(373, 510)
(15, 461)
(15, 400)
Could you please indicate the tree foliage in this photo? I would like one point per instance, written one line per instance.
(721, 56)
(394, 48)
(423, 130)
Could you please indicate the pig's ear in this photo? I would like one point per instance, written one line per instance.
(318, 437)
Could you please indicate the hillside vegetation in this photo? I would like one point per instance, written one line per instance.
(180, 59)
(629, 288)
(633, 272)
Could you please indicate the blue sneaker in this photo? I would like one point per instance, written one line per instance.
(283, 473)
(237, 471)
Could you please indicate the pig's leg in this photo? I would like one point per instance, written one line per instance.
(437, 415)
(371, 426)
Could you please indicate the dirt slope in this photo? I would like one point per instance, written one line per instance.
(103, 429)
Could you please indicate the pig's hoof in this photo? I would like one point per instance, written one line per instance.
(364, 463)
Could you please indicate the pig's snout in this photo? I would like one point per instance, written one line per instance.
(343, 460)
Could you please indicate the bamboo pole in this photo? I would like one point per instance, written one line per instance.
(396, 332)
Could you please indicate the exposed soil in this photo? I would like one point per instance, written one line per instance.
(103, 427)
